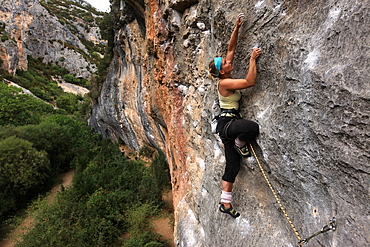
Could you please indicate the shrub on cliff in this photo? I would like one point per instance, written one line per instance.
(161, 171)
(77, 81)
(4, 38)
(68, 102)
(20, 109)
(39, 79)
(106, 25)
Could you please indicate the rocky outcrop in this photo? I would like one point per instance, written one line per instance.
(30, 29)
(311, 101)
(72, 88)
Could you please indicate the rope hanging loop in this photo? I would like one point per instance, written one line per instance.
(275, 195)
(332, 225)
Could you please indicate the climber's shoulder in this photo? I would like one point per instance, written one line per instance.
(234, 84)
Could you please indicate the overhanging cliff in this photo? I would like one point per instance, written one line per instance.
(311, 101)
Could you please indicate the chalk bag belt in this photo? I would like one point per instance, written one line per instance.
(231, 113)
(332, 225)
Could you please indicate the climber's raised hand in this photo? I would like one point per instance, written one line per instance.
(256, 53)
(234, 39)
(240, 20)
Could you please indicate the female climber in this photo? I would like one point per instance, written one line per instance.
(234, 131)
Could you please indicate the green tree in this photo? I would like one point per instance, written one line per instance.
(52, 138)
(68, 102)
(17, 108)
(7, 131)
(23, 170)
(77, 81)
(80, 138)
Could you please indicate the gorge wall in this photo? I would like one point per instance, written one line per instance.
(311, 101)
(27, 28)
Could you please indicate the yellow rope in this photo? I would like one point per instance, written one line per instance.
(276, 197)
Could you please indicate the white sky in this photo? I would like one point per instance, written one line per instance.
(102, 5)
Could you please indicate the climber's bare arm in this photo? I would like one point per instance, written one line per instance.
(229, 85)
(234, 38)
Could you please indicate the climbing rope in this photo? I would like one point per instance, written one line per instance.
(332, 225)
(276, 197)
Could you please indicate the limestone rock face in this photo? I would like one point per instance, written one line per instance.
(32, 30)
(311, 101)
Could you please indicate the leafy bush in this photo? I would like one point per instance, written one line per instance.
(69, 222)
(40, 93)
(137, 218)
(77, 81)
(4, 38)
(23, 171)
(144, 239)
(7, 131)
(161, 172)
(146, 151)
(68, 102)
(20, 109)
(80, 139)
(52, 138)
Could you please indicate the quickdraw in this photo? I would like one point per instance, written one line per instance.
(332, 225)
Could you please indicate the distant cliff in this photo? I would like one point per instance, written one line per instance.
(56, 31)
(311, 101)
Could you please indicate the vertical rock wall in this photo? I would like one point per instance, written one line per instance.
(311, 101)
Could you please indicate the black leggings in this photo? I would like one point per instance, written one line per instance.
(246, 130)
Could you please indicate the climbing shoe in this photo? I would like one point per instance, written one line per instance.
(243, 151)
(231, 211)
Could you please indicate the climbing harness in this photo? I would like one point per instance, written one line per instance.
(227, 113)
(332, 225)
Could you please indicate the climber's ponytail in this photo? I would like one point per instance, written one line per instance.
(213, 70)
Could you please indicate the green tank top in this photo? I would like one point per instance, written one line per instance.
(230, 102)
